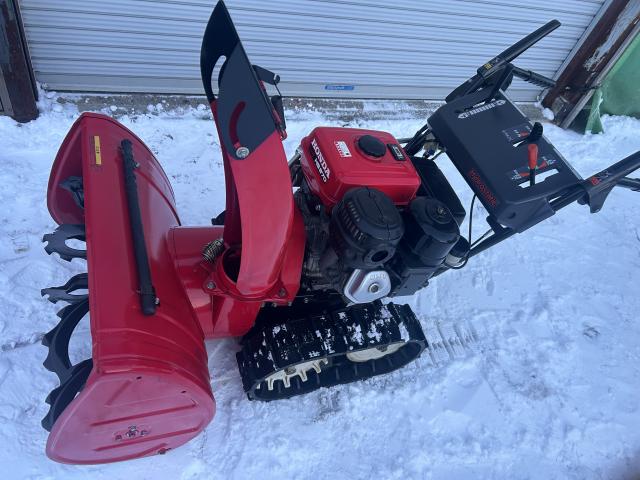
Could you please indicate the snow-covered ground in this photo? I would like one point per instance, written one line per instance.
(552, 392)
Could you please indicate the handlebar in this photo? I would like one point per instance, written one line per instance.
(502, 61)
(519, 47)
(533, 77)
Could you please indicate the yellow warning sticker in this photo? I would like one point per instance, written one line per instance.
(96, 144)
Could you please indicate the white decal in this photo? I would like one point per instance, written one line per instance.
(321, 164)
(343, 149)
(483, 108)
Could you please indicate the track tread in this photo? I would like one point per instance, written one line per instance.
(331, 335)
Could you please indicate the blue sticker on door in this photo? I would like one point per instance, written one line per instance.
(339, 87)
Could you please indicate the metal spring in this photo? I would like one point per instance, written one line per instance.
(212, 250)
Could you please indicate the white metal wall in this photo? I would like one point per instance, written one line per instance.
(405, 49)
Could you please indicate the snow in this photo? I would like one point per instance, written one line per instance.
(548, 114)
(551, 393)
(356, 334)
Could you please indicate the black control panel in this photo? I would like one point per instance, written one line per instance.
(486, 140)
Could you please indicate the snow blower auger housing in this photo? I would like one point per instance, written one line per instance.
(354, 217)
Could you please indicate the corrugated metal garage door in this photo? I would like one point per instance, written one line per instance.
(321, 48)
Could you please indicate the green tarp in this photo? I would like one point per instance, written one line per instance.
(619, 93)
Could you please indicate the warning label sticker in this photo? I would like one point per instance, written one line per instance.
(343, 149)
(97, 150)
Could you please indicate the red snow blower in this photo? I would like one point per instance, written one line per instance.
(298, 263)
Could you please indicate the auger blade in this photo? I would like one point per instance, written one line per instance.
(61, 397)
(46, 339)
(56, 241)
(61, 313)
(64, 292)
(58, 338)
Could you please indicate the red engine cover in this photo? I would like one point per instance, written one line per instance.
(333, 163)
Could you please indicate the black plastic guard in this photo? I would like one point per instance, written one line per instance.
(245, 115)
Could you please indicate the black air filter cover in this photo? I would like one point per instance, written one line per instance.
(365, 228)
(432, 230)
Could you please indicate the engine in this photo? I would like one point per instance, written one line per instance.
(378, 223)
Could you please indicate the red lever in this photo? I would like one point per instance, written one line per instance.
(533, 156)
(533, 162)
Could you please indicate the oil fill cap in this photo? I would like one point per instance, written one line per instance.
(372, 146)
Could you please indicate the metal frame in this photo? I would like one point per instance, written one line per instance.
(18, 90)
(592, 191)
(5, 101)
(610, 64)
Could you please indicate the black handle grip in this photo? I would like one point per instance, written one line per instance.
(148, 299)
(599, 185)
(533, 77)
(498, 63)
(630, 183)
(518, 48)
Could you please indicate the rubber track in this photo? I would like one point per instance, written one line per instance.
(329, 335)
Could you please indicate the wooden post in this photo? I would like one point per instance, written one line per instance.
(18, 92)
(593, 59)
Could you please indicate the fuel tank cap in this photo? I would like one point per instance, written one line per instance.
(372, 146)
